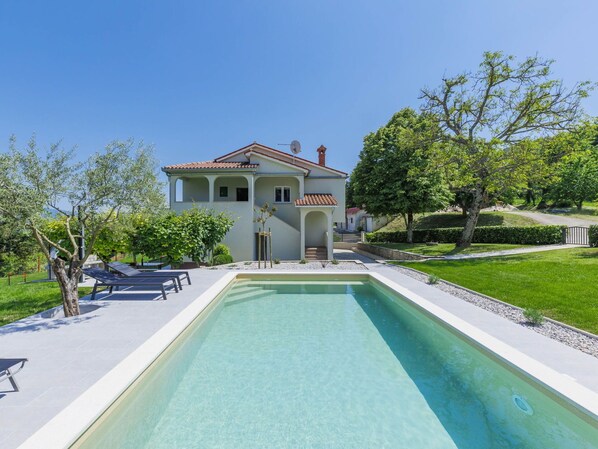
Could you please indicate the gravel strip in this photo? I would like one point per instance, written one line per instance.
(296, 266)
(556, 331)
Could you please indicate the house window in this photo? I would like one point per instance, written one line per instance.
(351, 220)
(223, 192)
(282, 194)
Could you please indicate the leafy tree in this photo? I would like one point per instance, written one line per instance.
(17, 249)
(194, 234)
(350, 194)
(87, 195)
(577, 179)
(396, 173)
(489, 115)
(205, 229)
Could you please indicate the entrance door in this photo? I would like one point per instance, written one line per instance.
(242, 194)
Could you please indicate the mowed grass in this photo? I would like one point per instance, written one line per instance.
(447, 249)
(456, 220)
(562, 284)
(20, 299)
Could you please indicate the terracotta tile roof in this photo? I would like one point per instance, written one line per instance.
(294, 159)
(210, 165)
(352, 210)
(316, 199)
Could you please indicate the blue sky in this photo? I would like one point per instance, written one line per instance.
(198, 79)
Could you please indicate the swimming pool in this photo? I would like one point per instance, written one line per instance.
(342, 363)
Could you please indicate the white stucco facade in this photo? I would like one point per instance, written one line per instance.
(309, 198)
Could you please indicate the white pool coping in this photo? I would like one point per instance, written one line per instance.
(67, 426)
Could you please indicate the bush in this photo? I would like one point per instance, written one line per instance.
(519, 235)
(433, 279)
(533, 316)
(222, 259)
(221, 249)
(593, 235)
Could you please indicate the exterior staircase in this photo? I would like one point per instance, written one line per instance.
(316, 253)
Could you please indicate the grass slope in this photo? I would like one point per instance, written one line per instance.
(561, 283)
(446, 249)
(456, 220)
(20, 299)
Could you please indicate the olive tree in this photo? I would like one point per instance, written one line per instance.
(86, 195)
(487, 116)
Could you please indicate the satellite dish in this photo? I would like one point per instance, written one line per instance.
(295, 147)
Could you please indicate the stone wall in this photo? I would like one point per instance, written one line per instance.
(389, 254)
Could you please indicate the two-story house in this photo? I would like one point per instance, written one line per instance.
(309, 198)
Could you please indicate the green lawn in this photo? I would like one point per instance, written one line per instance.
(561, 283)
(20, 299)
(445, 249)
(456, 220)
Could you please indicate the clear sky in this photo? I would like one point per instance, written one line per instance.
(201, 78)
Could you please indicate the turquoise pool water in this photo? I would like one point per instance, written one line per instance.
(320, 365)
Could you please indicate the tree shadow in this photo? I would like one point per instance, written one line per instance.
(37, 323)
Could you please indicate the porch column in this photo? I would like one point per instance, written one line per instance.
(301, 180)
(302, 229)
(172, 189)
(250, 188)
(211, 179)
(330, 242)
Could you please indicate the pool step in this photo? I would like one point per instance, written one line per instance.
(316, 253)
(246, 294)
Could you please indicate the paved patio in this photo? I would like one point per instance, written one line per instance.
(67, 356)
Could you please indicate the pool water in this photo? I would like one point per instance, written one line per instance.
(331, 365)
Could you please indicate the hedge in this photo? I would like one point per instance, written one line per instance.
(518, 235)
(593, 235)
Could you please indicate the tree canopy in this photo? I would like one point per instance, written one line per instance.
(86, 195)
(396, 173)
(489, 117)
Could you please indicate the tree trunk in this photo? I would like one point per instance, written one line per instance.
(69, 288)
(473, 214)
(579, 205)
(409, 227)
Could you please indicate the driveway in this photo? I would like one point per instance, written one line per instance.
(555, 219)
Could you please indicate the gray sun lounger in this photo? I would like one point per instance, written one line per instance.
(129, 271)
(105, 279)
(6, 366)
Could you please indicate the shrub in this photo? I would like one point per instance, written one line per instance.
(221, 248)
(303, 261)
(593, 235)
(276, 261)
(522, 235)
(222, 259)
(433, 279)
(334, 262)
(533, 316)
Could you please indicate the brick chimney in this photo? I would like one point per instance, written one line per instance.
(322, 156)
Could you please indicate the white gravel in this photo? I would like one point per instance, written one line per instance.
(551, 329)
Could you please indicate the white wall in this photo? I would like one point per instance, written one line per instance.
(195, 189)
(232, 182)
(334, 186)
(264, 192)
(316, 225)
(286, 240)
